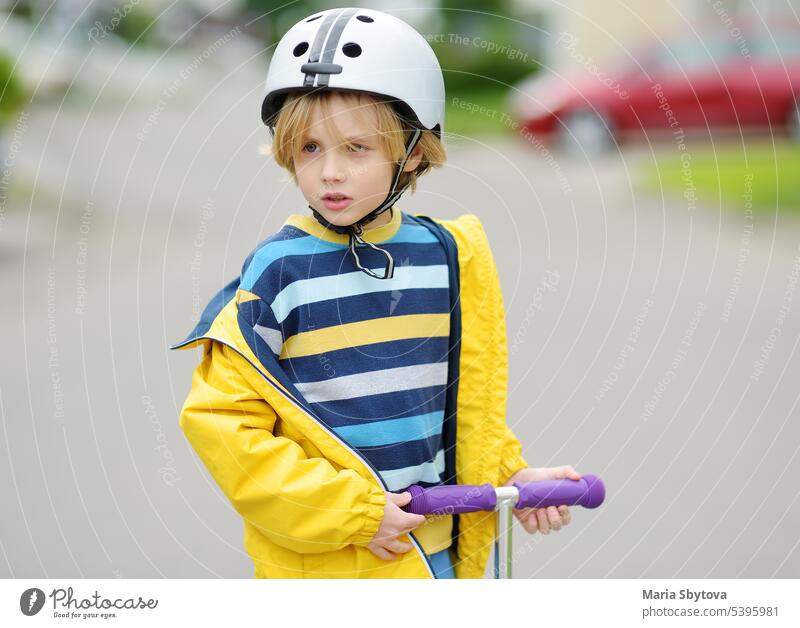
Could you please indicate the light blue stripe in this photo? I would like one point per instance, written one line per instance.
(311, 245)
(306, 291)
(393, 430)
(426, 472)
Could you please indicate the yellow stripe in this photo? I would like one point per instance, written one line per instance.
(373, 234)
(366, 332)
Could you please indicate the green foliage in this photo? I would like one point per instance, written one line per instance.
(486, 45)
(12, 92)
(274, 17)
(136, 26)
(480, 114)
(731, 175)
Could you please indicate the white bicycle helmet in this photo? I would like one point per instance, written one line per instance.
(368, 51)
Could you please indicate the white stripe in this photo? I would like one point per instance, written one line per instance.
(272, 337)
(305, 291)
(375, 382)
(396, 479)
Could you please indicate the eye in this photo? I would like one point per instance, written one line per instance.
(357, 148)
(313, 147)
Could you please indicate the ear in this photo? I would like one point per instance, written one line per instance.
(414, 159)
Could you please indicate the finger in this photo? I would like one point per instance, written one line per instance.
(399, 499)
(554, 518)
(411, 522)
(382, 553)
(531, 522)
(544, 524)
(570, 473)
(398, 547)
(522, 513)
(566, 516)
(523, 516)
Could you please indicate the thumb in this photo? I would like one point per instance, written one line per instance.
(399, 499)
(571, 473)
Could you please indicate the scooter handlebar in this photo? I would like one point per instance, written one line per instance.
(588, 492)
(450, 499)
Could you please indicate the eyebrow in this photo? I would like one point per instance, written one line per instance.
(362, 138)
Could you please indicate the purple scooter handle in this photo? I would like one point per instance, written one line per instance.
(588, 492)
(450, 499)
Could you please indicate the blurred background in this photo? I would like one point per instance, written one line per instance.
(636, 166)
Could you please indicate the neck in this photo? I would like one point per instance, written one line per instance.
(379, 221)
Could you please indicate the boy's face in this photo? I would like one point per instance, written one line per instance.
(357, 170)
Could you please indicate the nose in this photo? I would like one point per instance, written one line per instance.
(332, 168)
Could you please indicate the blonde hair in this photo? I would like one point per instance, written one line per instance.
(393, 131)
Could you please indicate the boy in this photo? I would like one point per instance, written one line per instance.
(332, 380)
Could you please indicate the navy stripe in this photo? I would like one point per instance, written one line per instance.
(449, 431)
(286, 252)
(352, 360)
(351, 309)
(400, 455)
(387, 405)
(278, 272)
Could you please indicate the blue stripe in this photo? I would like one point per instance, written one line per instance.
(310, 291)
(374, 305)
(386, 432)
(401, 455)
(397, 479)
(277, 248)
(378, 356)
(332, 262)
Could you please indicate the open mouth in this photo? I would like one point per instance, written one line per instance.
(336, 200)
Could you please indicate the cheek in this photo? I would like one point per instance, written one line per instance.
(305, 171)
(378, 173)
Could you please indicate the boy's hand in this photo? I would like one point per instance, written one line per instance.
(543, 519)
(395, 522)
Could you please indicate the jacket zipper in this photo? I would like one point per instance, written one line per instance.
(366, 462)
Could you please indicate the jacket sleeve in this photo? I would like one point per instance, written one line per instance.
(511, 459)
(304, 504)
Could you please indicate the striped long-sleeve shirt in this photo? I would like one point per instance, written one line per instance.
(369, 355)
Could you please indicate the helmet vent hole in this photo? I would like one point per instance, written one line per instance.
(365, 18)
(316, 17)
(351, 49)
(300, 48)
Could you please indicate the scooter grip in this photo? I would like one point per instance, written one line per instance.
(450, 499)
(588, 492)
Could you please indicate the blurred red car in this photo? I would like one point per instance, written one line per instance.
(707, 81)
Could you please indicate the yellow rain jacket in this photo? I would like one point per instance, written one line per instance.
(311, 503)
